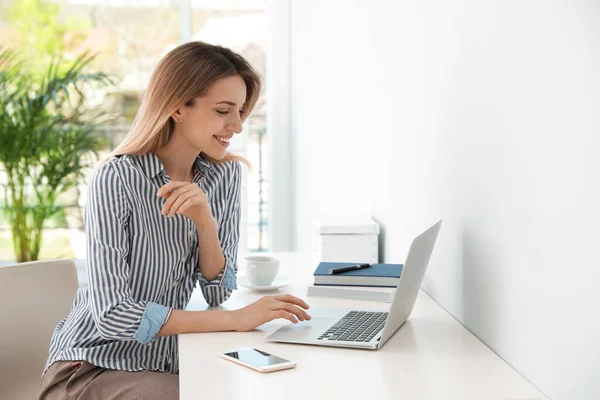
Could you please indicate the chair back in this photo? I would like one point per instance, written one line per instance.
(34, 297)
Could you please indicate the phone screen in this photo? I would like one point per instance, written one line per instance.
(256, 357)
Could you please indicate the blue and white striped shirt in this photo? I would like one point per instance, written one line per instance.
(141, 264)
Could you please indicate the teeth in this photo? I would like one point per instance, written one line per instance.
(222, 139)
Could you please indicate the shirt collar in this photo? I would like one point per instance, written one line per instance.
(152, 165)
(203, 165)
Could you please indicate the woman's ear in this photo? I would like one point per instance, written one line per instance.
(177, 116)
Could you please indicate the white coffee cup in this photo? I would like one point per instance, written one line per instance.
(261, 270)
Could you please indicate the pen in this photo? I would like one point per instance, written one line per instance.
(348, 268)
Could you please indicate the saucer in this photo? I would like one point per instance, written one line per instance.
(278, 282)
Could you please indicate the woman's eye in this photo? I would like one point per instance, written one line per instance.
(223, 112)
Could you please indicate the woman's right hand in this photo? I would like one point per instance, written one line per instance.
(269, 308)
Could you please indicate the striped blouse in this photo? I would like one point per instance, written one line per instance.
(141, 264)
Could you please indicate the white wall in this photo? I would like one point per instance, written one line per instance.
(485, 113)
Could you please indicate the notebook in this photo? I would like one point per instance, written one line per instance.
(383, 275)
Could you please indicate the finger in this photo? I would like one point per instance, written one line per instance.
(177, 198)
(285, 315)
(170, 186)
(185, 206)
(293, 310)
(298, 312)
(197, 199)
(288, 298)
(174, 196)
(185, 197)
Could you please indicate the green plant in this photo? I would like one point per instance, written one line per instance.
(45, 141)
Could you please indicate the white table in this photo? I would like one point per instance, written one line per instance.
(431, 356)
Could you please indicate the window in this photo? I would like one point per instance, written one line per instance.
(130, 37)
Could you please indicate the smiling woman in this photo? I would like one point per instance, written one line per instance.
(193, 87)
(163, 214)
(206, 123)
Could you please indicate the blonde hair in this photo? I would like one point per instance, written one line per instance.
(185, 73)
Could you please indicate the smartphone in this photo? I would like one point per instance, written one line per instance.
(258, 360)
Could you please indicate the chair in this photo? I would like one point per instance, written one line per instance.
(34, 297)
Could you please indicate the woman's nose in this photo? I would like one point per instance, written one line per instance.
(235, 125)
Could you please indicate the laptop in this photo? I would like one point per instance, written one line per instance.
(364, 329)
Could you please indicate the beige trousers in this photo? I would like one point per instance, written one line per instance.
(65, 380)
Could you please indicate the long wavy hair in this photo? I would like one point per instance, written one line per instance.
(185, 73)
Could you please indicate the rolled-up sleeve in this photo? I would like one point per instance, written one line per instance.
(116, 314)
(219, 289)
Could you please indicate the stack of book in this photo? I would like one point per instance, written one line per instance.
(376, 282)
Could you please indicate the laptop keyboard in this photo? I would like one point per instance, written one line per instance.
(356, 326)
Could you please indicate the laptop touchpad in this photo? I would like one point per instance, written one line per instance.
(303, 330)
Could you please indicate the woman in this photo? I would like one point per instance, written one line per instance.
(162, 213)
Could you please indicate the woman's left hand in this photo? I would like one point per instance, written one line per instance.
(185, 198)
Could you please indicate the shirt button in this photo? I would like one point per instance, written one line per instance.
(191, 233)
